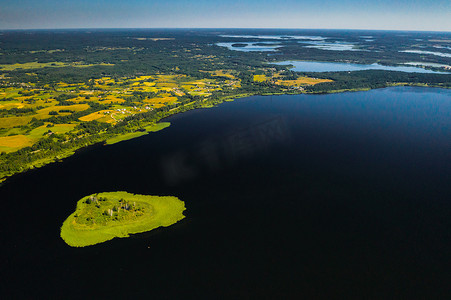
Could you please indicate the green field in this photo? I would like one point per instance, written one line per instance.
(157, 127)
(132, 135)
(104, 216)
(55, 64)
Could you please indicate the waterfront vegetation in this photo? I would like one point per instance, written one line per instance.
(104, 216)
(61, 92)
(141, 132)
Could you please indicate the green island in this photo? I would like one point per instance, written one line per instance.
(104, 216)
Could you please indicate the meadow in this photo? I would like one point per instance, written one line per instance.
(132, 135)
(104, 216)
(37, 65)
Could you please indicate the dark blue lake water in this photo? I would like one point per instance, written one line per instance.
(303, 197)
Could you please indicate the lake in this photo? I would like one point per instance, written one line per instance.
(428, 53)
(315, 66)
(250, 47)
(288, 197)
(335, 46)
(276, 37)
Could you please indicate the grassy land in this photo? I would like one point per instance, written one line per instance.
(14, 143)
(132, 135)
(157, 127)
(125, 137)
(104, 216)
(36, 65)
(302, 81)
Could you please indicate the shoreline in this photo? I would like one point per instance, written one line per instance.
(116, 138)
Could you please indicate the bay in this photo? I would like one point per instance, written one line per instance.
(312, 196)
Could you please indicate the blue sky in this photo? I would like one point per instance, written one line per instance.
(332, 14)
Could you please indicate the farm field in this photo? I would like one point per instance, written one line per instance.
(26, 108)
(105, 100)
(301, 81)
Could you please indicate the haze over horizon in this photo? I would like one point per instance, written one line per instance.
(414, 15)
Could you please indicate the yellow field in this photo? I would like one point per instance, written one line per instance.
(87, 93)
(200, 87)
(23, 98)
(12, 105)
(168, 99)
(9, 93)
(233, 84)
(104, 80)
(112, 99)
(158, 105)
(222, 73)
(10, 122)
(141, 78)
(78, 99)
(14, 121)
(302, 81)
(179, 92)
(17, 142)
(44, 113)
(98, 115)
(174, 84)
(166, 84)
(260, 78)
(161, 100)
(169, 77)
(144, 88)
(13, 143)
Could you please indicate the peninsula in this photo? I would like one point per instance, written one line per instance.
(101, 217)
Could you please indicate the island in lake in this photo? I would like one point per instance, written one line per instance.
(104, 216)
(239, 45)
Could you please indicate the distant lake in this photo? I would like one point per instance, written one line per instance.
(428, 53)
(277, 37)
(249, 47)
(288, 197)
(336, 46)
(314, 66)
(271, 46)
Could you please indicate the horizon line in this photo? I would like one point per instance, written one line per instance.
(218, 28)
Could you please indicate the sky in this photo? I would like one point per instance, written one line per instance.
(422, 15)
